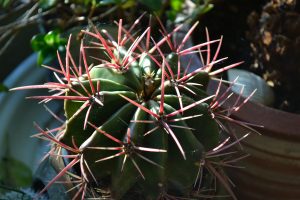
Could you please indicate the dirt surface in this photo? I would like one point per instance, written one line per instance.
(266, 35)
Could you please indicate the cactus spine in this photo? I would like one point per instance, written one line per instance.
(137, 117)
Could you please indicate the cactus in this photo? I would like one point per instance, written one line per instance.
(138, 120)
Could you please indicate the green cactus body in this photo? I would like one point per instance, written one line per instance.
(181, 142)
(138, 120)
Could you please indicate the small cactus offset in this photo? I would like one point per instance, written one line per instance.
(138, 119)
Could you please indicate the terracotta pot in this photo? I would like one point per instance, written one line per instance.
(272, 171)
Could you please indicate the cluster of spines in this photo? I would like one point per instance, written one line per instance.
(73, 74)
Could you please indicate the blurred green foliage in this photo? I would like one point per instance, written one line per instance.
(176, 7)
(14, 173)
(46, 46)
(46, 4)
(203, 6)
(5, 3)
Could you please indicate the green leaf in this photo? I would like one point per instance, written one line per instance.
(51, 41)
(37, 42)
(46, 45)
(40, 58)
(46, 4)
(3, 88)
(14, 173)
(51, 38)
(5, 3)
(176, 5)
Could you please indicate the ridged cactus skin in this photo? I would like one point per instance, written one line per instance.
(137, 118)
(177, 145)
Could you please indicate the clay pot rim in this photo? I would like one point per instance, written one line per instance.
(276, 123)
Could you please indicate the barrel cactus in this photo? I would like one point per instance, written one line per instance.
(139, 123)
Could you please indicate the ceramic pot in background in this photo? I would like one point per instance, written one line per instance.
(18, 114)
(272, 171)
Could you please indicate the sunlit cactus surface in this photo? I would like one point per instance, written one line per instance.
(139, 122)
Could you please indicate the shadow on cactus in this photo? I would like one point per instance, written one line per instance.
(139, 121)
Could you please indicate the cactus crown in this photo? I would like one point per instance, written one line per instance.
(138, 117)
